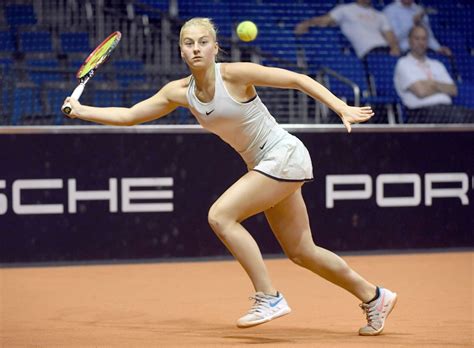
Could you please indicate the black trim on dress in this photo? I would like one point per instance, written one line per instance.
(280, 179)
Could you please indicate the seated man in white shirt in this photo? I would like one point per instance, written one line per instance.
(425, 87)
(403, 15)
(366, 28)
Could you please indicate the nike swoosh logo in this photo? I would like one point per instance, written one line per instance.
(381, 305)
(273, 304)
(210, 112)
(261, 147)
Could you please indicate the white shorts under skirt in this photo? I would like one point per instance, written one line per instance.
(287, 160)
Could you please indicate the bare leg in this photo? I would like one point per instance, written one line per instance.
(290, 224)
(251, 194)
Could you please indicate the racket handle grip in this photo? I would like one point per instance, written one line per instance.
(75, 95)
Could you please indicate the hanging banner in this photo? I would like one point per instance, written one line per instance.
(143, 193)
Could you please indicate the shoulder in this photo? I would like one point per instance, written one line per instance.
(343, 8)
(389, 8)
(235, 71)
(175, 91)
(181, 83)
(403, 63)
(406, 59)
(378, 13)
(435, 63)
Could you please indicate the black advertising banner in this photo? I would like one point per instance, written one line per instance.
(140, 193)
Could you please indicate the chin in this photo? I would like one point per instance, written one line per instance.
(200, 64)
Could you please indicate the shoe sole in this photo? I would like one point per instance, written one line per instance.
(390, 308)
(283, 312)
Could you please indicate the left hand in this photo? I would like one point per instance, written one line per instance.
(352, 114)
(445, 51)
(395, 51)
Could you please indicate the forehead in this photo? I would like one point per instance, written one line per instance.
(419, 32)
(196, 31)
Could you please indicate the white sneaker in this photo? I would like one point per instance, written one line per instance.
(265, 308)
(377, 312)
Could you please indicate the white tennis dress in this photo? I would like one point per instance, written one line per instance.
(253, 132)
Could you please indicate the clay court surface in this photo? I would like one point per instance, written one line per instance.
(195, 304)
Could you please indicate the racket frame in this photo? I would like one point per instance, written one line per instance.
(84, 77)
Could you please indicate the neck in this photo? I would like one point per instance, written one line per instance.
(364, 4)
(418, 56)
(204, 77)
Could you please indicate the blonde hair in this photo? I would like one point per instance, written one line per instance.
(205, 23)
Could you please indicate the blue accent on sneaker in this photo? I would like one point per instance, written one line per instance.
(273, 304)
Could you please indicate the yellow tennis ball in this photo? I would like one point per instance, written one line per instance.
(247, 31)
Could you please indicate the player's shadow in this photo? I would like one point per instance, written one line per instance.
(289, 335)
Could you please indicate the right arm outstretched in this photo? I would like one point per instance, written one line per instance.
(163, 102)
(320, 21)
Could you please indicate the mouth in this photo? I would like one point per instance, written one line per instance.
(197, 58)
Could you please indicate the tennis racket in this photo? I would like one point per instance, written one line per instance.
(90, 65)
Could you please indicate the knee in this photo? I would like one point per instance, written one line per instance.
(300, 255)
(218, 219)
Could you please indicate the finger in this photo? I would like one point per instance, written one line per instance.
(364, 118)
(360, 119)
(348, 126)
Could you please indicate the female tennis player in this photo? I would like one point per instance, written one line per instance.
(223, 99)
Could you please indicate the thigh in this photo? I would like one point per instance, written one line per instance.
(290, 223)
(252, 194)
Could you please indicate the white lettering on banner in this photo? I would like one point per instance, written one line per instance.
(333, 180)
(460, 193)
(74, 195)
(333, 194)
(384, 179)
(3, 199)
(35, 184)
(129, 196)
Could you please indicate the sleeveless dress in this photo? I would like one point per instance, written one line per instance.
(253, 132)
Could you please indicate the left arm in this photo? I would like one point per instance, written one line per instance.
(392, 42)
(257, 75)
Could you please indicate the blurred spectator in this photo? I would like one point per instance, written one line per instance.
(403, 15)
(425, 87)
(366, 28)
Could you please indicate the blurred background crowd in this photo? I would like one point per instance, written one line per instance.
(411, 60)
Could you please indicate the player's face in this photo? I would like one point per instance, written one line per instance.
(419, 41)
(198, 47)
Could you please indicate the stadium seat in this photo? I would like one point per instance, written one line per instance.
(54, 100)
(154, 9)
(18, 15)
(347, 65)
(6, 64)
(7, 43)
(107, 97)
(26, 102)
(381, 68)
(41, 70)
(465, 95)
(36, 41)
(75, 42)
(129, 71)
(219, 9)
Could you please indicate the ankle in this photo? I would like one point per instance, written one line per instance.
(374, 297)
